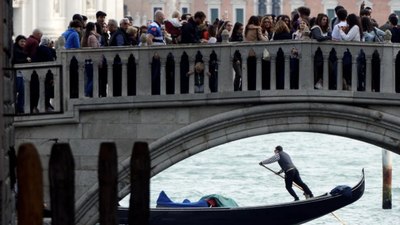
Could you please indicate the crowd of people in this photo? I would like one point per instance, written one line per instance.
(187, 28)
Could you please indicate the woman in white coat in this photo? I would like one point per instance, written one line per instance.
(354, 29)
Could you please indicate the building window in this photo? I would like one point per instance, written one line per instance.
(214, 14)
(154, 11)
(329, 8)
(330, 13)
(262, 8)
(239, 11)
(239, 15)
(295, 4)
(185, 10)
(276, 7)
(395, 7)
(397, 12)
(156, 8)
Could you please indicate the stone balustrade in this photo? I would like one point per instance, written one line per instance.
(145, 94)
(163, 70)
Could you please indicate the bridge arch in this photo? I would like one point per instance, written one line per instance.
(367, 125)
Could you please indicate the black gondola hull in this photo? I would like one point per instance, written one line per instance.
(278, 214)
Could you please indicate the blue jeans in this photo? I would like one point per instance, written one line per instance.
(20, 88)
(89, 78)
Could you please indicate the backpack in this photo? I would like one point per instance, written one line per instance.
(376, 37)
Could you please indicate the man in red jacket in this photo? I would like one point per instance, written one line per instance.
(32, 43)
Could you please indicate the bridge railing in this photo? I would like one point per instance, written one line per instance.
(170, 70)
(38, 88)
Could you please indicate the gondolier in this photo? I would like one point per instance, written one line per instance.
(168, 212)
(291, 172)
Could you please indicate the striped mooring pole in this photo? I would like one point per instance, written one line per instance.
(387, 179)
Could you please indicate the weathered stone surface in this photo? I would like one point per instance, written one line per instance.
(180, 125)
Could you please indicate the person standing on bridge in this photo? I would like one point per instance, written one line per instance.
(71, 35)
(155, 35)
(291, 172)
(190, 32)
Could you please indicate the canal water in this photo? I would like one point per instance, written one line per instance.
(324, 161)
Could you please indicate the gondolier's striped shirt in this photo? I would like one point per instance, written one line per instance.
(283, 159)
(272, 159)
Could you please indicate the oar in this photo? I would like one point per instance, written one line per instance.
(341, 221)
(280, 175)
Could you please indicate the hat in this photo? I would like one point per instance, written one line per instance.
(100, 13)
(279, 148)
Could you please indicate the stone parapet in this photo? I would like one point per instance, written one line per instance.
(178, 125)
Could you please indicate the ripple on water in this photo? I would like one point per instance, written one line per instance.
(324, 161)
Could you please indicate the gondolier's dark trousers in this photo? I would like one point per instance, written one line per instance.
(291, 176)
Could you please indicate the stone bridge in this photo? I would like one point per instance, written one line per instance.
(146, 94)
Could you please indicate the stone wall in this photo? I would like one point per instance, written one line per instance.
(7, 211)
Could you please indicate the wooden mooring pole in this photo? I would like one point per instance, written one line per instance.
(387, 179)
(62, 184)
(30, 186)
(139, 209)
(108, 184)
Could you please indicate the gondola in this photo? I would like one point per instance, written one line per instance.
(296, 212)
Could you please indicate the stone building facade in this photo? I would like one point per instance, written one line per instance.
(241, 10)
(53, 16)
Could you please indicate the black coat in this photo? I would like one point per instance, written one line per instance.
(190, 32)
(236, 37)
(122, 33)
(282, 36)
(19, 56)
(103, 35)
(44, 54)
(395, 34)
